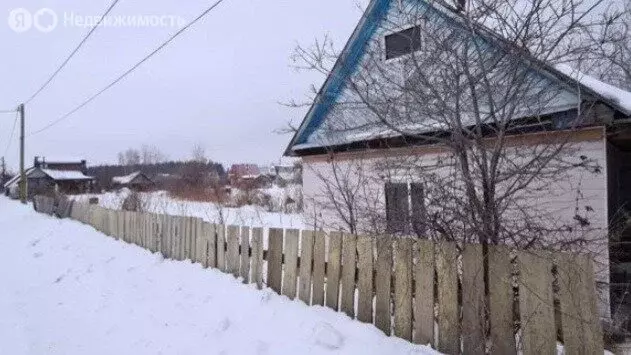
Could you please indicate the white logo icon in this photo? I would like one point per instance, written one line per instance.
(20, 20)
(45, 20)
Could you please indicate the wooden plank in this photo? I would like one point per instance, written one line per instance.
(275, 259)
(244, 270)
(221, 246)
(333, 270)
(403, 289)
(306, 259)
(186, 242)
(319, 253)
(536, 307)
(382, 284)
(202, 242)
(290, 274)
(448, 313)
(501, 301)
(193, 240)
(349, 263)
(211, 238)
(424, 292)
(579, 313)
(364, 278)
(232, 256)
(257, 257)
(473, 300)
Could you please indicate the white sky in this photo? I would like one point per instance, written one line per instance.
(219, 84)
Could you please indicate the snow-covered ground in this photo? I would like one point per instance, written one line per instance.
(67, 289)
(161, 202)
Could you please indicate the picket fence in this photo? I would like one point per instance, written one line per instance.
(422, 291)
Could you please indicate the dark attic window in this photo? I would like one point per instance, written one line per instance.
(403, 42)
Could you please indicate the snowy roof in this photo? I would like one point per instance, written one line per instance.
(124, 180)
(15, 179)
(66, 174)
(619, 97)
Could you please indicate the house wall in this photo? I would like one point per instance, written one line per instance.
(559, 199)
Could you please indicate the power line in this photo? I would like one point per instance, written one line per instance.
(17, 115)
(7, 111)
(85, 39)
(86, 102)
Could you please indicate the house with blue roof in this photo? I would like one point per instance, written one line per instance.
(417, 80)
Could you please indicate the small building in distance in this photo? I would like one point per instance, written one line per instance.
(247, 176)
(136, 181)
(57, 176)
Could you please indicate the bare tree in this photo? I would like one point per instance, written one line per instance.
(151, 154)
(199, 153)
(471, 99)
(481, 135)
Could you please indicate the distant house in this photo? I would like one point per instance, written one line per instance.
(136, 181)
(245, 174)
(45, 177)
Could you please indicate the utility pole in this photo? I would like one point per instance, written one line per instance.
(4, 171)
(23, 182)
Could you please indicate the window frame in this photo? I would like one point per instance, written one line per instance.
(390, 32)
(409, 229)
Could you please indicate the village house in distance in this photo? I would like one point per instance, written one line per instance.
(381, 144)
(136, 181)
(52, 176)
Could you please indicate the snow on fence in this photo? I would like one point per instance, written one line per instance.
(422, 291)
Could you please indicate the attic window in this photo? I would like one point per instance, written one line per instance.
(403, 42)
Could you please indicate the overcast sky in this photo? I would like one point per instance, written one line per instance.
(219, 84)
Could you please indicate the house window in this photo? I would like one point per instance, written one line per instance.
(405, 208)
(403, 42)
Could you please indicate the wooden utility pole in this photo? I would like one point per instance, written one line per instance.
(4, 171)
(23, 182)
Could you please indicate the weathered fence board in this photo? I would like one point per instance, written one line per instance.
(244, 271)
(292, 238)
(364, 278)
(501, 301)
(383, 281)
(448, 315)
(203, 241)
(349, 263)
(211, 237)
(221, 246)
(333, 270)
(232, 256)
(536, 307)
(578, 304)
(424, 292)
(319, 252)
(257, 257)
(403, 289)
(306, 259)
(275, 259)
(473, 297)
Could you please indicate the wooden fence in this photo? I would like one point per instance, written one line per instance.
(422, 291)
